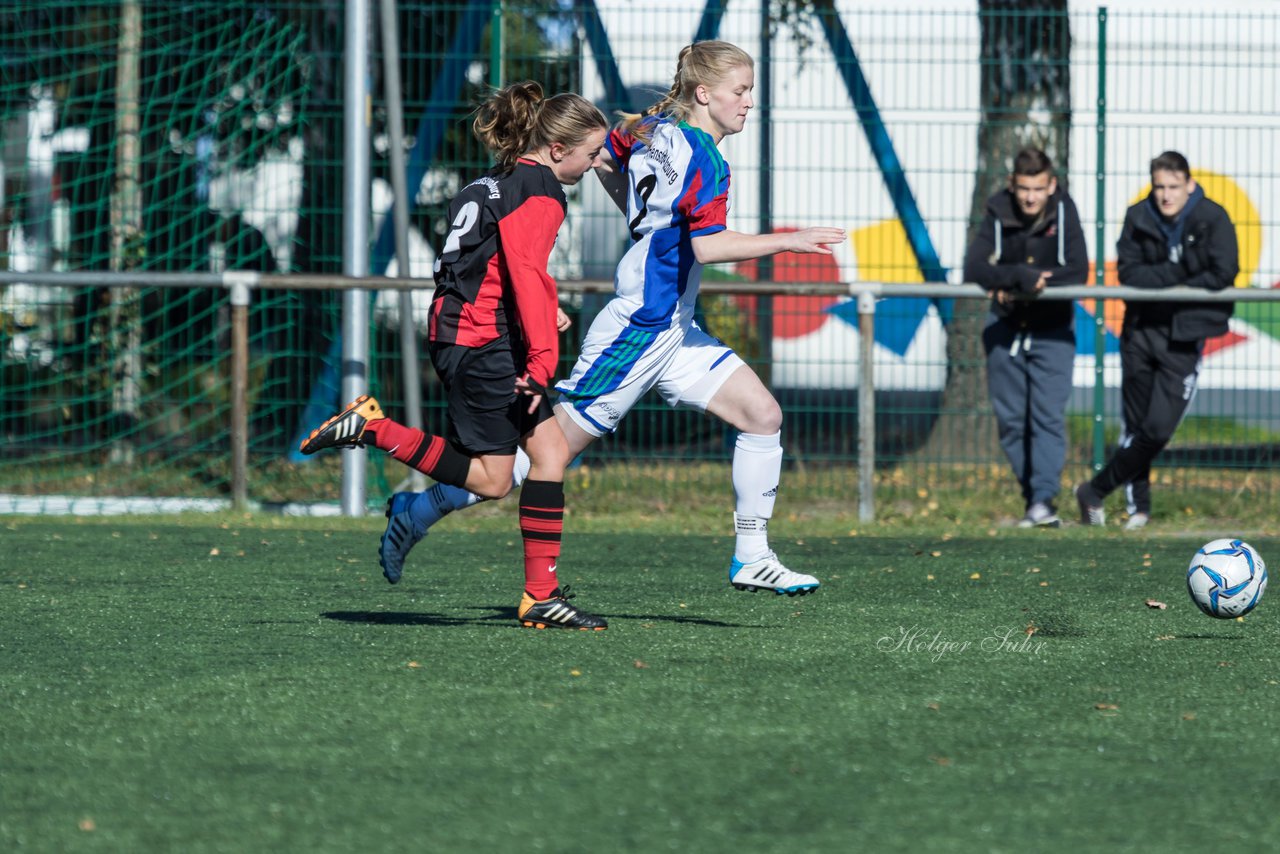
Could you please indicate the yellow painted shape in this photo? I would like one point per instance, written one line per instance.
(884, 254)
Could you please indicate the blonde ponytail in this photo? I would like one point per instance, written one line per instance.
(699, 64)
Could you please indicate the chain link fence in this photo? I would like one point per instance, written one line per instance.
(894, 121)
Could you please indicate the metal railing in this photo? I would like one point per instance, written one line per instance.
(241, 284)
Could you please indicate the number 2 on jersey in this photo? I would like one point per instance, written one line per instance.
(644, 189)
(466, 219)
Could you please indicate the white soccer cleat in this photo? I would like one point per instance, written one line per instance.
(768, 573)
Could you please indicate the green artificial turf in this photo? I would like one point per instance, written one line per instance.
(211, 685)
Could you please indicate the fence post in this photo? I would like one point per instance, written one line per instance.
(764, 266)
(1100, 253)
(866, 406)
(240, 295)
(356, 118)
(403, 200)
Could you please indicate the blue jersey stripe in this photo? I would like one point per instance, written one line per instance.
(612, 367)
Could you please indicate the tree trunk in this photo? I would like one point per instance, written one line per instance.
(126, 238)
(1026, 101)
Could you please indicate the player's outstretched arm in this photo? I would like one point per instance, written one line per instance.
(735, 246)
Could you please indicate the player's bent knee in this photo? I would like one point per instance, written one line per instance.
(764, 419)
(491, 490)
(489, 483)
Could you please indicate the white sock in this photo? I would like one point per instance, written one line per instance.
(757, 468)
(442, 499)
(521, 469)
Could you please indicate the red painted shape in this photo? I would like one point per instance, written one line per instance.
(794, 316)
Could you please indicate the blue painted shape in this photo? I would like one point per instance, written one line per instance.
(444, 94)
(1085, 334)
(897, 319)
(709, 24)
(615, 91)
(436, 117)
(891, 170)
(906, 314)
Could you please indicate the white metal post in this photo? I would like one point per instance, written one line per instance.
(356, 119)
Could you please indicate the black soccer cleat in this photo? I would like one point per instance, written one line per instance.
(557, 613)
(346, 429)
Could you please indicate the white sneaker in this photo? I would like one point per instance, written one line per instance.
(1040, 515)
(768, 573)
(1091, 510)
(1137, 522)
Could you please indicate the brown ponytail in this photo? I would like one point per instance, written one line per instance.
(516, 120)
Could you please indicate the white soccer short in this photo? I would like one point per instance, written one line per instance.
(619, 363)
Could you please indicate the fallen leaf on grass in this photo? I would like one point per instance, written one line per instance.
(933, 707)
(1188, 716)
(1159, 606)
(940, 760)
(640, 665)
(414, 664)
(214, 552)
(1106, 707)
(1166, 637)
(87, 824)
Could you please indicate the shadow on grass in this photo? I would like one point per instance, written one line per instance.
(1209, 637)
(504, 616)
(403, 618)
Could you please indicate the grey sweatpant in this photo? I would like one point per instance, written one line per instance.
(1029, 380)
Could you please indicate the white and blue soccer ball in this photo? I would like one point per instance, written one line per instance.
(1227, 578)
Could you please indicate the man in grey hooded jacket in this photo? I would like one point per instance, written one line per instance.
(1030, 239)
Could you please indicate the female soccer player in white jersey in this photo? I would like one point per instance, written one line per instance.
(665, 171)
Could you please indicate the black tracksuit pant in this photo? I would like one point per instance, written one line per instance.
(1158, 383)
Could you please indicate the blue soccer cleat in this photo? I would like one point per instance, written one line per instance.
(402, 534)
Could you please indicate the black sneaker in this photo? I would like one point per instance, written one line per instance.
(1091, 510)
(346, 429)
(557, 613)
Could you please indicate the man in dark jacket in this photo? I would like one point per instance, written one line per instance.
(1176, 236)
(1030, 239)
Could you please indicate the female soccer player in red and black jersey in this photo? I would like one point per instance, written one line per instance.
(494, 337)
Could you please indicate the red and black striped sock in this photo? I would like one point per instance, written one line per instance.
(429, 454)
(541, 523)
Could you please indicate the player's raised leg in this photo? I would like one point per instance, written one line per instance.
(410, 516)
(363, 423)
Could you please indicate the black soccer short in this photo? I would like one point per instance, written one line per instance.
(486, 414)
